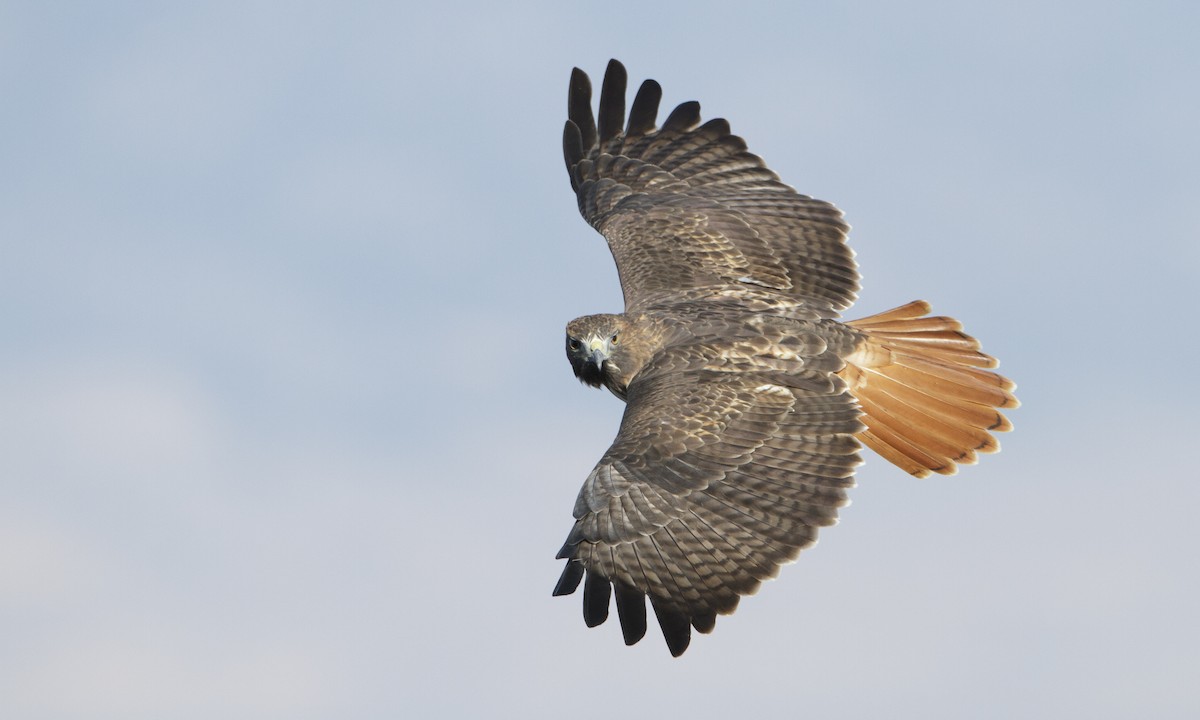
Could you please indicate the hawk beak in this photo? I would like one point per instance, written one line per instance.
(599, 350)
(597, 358)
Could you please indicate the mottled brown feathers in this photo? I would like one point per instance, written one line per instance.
(746, 398)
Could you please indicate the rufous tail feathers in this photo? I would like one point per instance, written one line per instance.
(928, 400)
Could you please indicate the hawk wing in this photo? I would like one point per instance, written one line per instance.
(686, 206)
(716, 478)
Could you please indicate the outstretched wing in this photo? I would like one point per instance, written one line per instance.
(714, 480)
(686, 206)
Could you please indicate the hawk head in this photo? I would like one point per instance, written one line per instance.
(594, 349)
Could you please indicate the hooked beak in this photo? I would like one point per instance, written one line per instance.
(599, 353)
(597, 358)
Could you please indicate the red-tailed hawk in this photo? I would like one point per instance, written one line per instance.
(746, 398)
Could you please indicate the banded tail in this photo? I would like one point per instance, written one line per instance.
(929, 401)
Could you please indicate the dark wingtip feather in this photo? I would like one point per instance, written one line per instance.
(569, 580)
(684, 117)
(705, 623)
(572, 145)
(644, 113)
(596, 592)
(579, 107)
(631, 610)
(675, 628)
(612, 101)
(717, 126)
(570, 544)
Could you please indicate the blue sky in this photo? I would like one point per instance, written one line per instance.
(286, 430)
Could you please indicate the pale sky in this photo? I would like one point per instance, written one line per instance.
(286, 430)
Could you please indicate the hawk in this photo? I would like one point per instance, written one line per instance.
(747, 399)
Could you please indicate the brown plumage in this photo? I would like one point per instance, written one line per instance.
(747, 398)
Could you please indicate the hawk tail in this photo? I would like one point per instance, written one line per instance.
(929, 399)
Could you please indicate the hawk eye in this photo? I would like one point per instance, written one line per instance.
(574, 344)
(614, 339)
